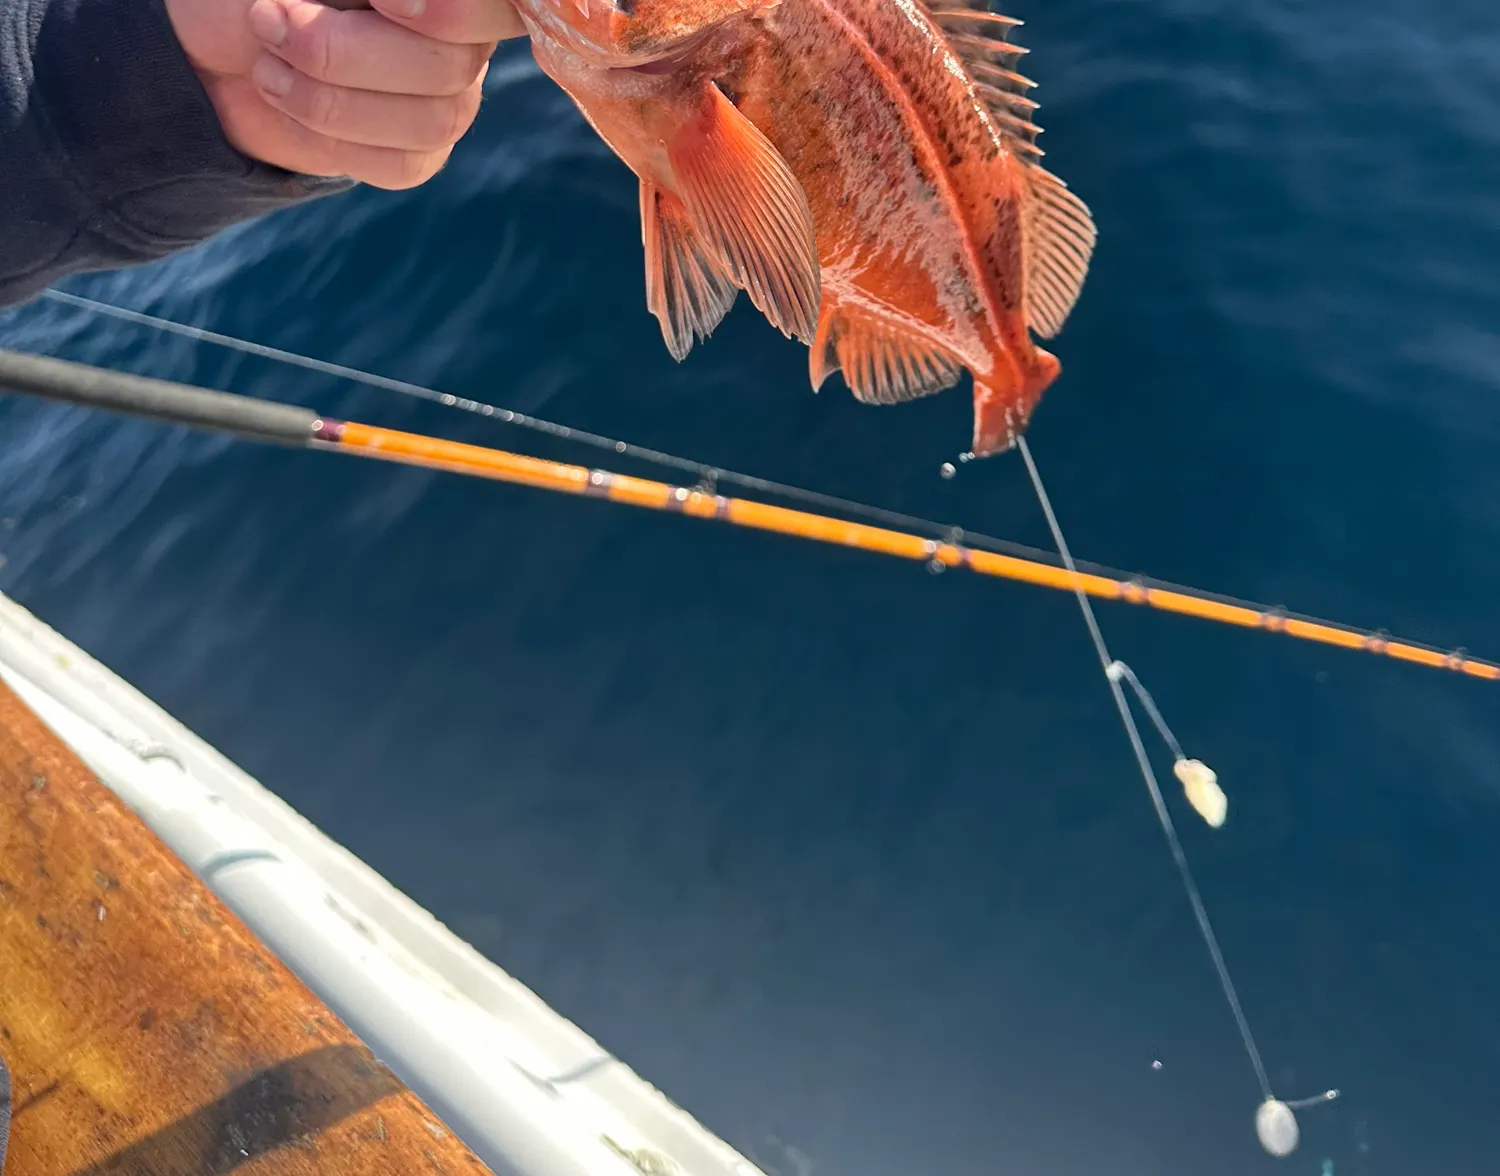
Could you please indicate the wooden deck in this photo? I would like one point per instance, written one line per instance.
(147, 1031)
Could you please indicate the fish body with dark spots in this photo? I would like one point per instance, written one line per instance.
(866, 170)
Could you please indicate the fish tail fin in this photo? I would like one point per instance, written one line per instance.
(1046, 367)
(1003, 410)
(687, 288)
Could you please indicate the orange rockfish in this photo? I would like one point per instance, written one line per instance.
(865, 170)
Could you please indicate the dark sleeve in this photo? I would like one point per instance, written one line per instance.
(110, 151)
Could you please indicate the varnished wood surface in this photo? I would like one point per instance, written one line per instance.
(148, 1032)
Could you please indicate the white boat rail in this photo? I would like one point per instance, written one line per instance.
(528, 1091)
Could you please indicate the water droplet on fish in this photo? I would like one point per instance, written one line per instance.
(620, 447)
(948, 469)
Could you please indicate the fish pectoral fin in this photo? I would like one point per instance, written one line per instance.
(882, 362)
(687, 288)
(1058, 234)
(747, 204)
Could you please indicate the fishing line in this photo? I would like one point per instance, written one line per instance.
(292, 425)
(708, 475)
(1106, 581)
(1276, 1126)
(1120, 670)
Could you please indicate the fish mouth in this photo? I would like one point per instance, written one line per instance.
(669, 59)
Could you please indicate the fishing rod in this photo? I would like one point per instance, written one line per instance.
(267, 422)
(1139, 589)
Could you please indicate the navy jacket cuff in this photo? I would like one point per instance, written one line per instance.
(114, 154)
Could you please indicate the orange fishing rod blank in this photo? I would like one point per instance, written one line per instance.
(497, 464)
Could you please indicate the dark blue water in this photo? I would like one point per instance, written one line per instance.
(851, 860)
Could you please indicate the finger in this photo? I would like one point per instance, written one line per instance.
(366, 116)
(274, 137)
(364, 50)
(455, 21)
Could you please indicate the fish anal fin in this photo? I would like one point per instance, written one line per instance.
(749, 208)
(686, 286)
(822, 352)
(1057, 237)
(883, 362)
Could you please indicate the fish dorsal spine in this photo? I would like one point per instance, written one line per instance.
(1057, 228)
(978, 38)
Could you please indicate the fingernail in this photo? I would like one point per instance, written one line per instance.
(268, 22)
(404, 9)
(272, 75)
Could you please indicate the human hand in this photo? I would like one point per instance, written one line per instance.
(378, 96)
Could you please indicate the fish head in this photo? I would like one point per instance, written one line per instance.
(586, 25)
(626, 34)
(581, 27)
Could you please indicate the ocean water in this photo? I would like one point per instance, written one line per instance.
(851, 860)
